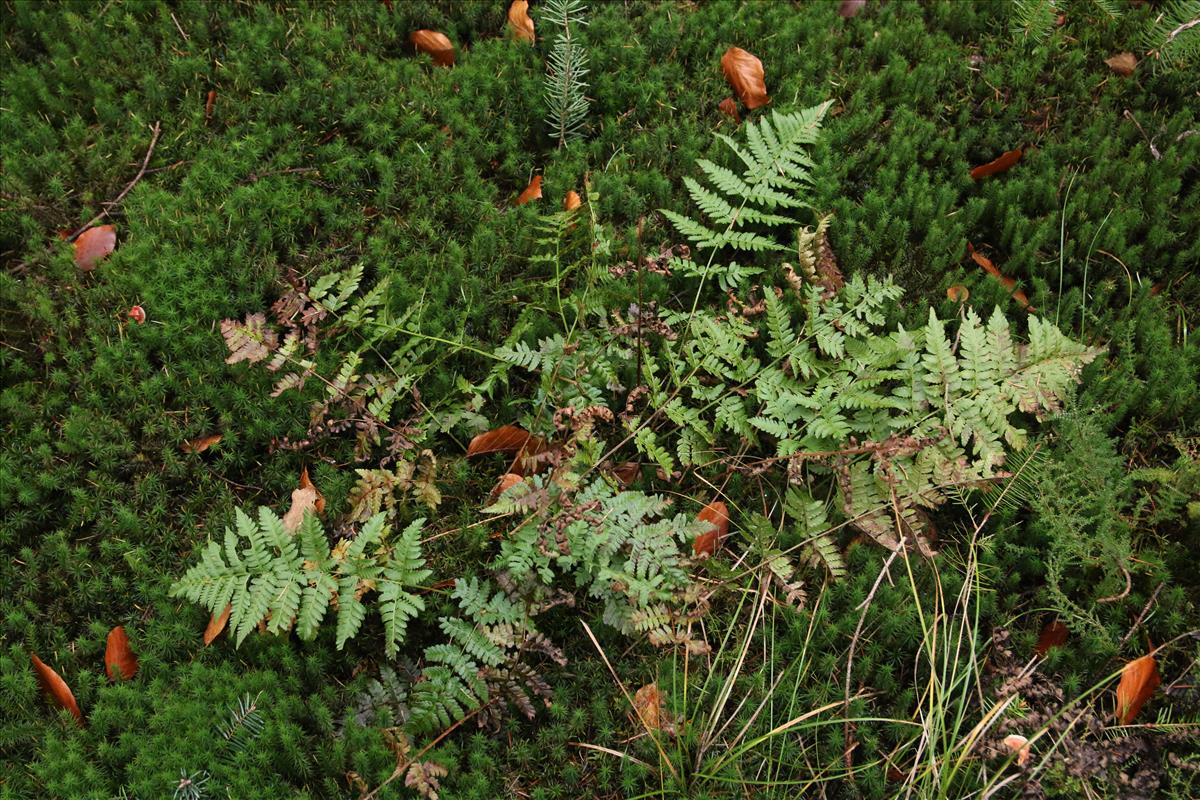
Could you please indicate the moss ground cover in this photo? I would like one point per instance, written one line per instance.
(329, 143)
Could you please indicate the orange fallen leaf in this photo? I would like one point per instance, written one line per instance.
(1053, 635)
(519, 22)
(435, 44)
(119, 660)
(1139, 679)
(532, 192)
(717, 514)
(209, 103)
(572, 201)
(505, 439)
(850, 8)
(745, 74)
(216, 624)
(1122, 63)
(958, 293)
(93, 245)
(306, 483)
(55, 688)
(1007, 282)
(729, 108)
(648, 704)
(627, 472)
(506, 482)
(201, 444)
(1019, 745)
(1004, 162)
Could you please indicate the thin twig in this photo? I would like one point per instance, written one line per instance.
(1120, 595)
(111, 204)
(1142, 616)
(1153, 150)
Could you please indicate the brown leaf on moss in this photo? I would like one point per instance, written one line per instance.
(1054, 634)
(745, 74)
(1001, 164)
(505, 439)
(506, 482)
(993, 270)
(958, 293)
(1122, 63)
(717, 514)
(209, 103)
(55, 688)
(519, 22)
(201, 444)
(119, 660)
(1139, 679)
(306, 483)
(850, 8)
(216, 624)
(303, 501)
(729, 108)
(437, 45)
(93, 245)
(627, 472)
(532, 192)
(648, 704)
(572, 201)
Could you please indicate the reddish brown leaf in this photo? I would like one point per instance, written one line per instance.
(1122, 63)
(850, 8)
(306, 483)
(55, 688)
(729, 108)
(506, 482)
(201, 444)
(745, 74)
(958, 293)
(1139, 679)
(709, 542)
(1053, 635)
(628, 472)
(532, 192)
(572, 201)
(1007, 282)
(519, 22)
(93, 245)
(894, 775)
(505, 439)
(1001, 164)
(216, 624)
(138, 315)
(119, 660)
(437, 45)
(209, 103)
(648, 704)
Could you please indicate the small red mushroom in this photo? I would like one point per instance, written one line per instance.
(138, 315)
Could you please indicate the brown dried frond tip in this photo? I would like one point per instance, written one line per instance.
(249, 341)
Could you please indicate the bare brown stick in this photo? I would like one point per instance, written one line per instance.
(1120, 595)
(1153, 150)
(111, 204)
(1142, 616)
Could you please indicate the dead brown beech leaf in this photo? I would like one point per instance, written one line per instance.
(201, 444)
(958, 293)
(1122, 63)
(745, 74)
(216, 624)
(93, 245)
(1019, 745)
(648, 704)
(437, 45)
(716, 513)
(303, 501)
(506, 482)
(119, 661)
(1007, 282)
(1053, 635)
(627, 472)
(532, 192)
(209, 103)
(572, 201)
(729, 108)
(306, 483)
(505, 439)
(1001, 164)
(55, 688)
(1139, 679)
(519, 22)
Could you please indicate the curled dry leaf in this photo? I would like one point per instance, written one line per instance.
(532, 192)
(119, 660)
(627, 472)
(201, 444)
(1019, 745)
(745, 74)
(729, 108)
(138, 315)
(850, 8)
(572, 201)
(303, 501)
(437, 45)
(648, 704)
(1007, 282)
(216, 624)
(717, 514)
(1122, 63)
(519, 22)
(1053, 635)
(1139, 679)
(93, 245)
(506, 482)
(505, 439)
(55, 688)
(1000, 164)
(958, 293)
(306, 483)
